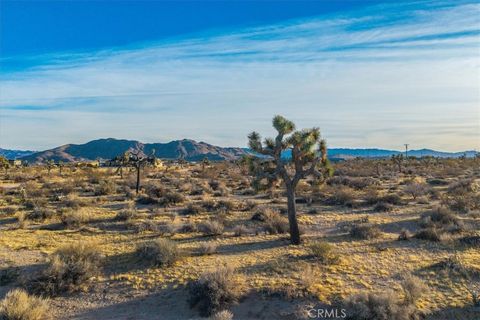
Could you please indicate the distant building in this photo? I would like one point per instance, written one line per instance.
(15, 163)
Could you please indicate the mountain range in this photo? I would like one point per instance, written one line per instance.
(190, 150)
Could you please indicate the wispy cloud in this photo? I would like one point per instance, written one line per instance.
(380, 76)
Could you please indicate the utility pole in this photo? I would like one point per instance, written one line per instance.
(406, 150)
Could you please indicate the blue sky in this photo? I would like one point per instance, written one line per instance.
(368, 73)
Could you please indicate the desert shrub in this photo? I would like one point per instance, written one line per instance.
(70, 268)
(214, 291)
(274, 222)
(383, 207)
(143, 226)
(41, 214)
(412, 288)
(187, 227)
(441, 218)
(207, 248)
(105, 187)
(365, 231)
(463, 195)
(355, 182)
(470, 241)
(226, 205)
(391, 198)
(248, 205)
(323, 252)
(21, 219)
(437, 182)
(191, 209)
(381, 306)
(343, 196)
(74, 218)
(209, 204)
(73, 202)
(430, 234)
(404, 235)
(240, 230)
(222, 315)
(160, 252)
(416, 189)
(211, 228)
(172, 197)
(19, 305)
(126, 214)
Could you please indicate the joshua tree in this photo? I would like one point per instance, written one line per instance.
(205, 163)
(122, 162)
(308, 158)
(138, 162)
(50, 165)
(4, 164)
(61, 164)
(398, 160)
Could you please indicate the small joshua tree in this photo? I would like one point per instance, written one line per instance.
(309, 158)
(398, 160)
(138, 162)
(4, 164)
(50, 165)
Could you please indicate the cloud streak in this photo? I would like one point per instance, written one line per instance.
(376, 77)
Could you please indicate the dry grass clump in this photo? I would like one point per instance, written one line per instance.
(342, 196)
(386, 305)
(352, 182)
(70, 269)
(207, 248)
(75, 218)
(273, 222)
(323, 252)
(404, 235)
(365, 231)
(41, 214)
(211, 228)
(441, 218)
(19, 305)
(214, 291)
(105, 187)
(191, 209)
(126, 214)
(430, 234)
(383, 207)
(463, 195)
(222, 315)
(240, 230)
(160, 252)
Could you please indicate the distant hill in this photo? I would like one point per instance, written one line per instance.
(14, 154)
(381, 153)
(109, 148)
(191, 151)
(347, 153)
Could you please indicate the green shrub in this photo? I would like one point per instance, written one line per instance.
(323, 252)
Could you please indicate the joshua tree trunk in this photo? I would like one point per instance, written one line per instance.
(138, 178)
(292, 216)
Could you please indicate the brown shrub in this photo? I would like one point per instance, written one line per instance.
(365, 231)
(70, 269)
(19, 305)
(214, 291)
(323, 252)
(160, 252)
